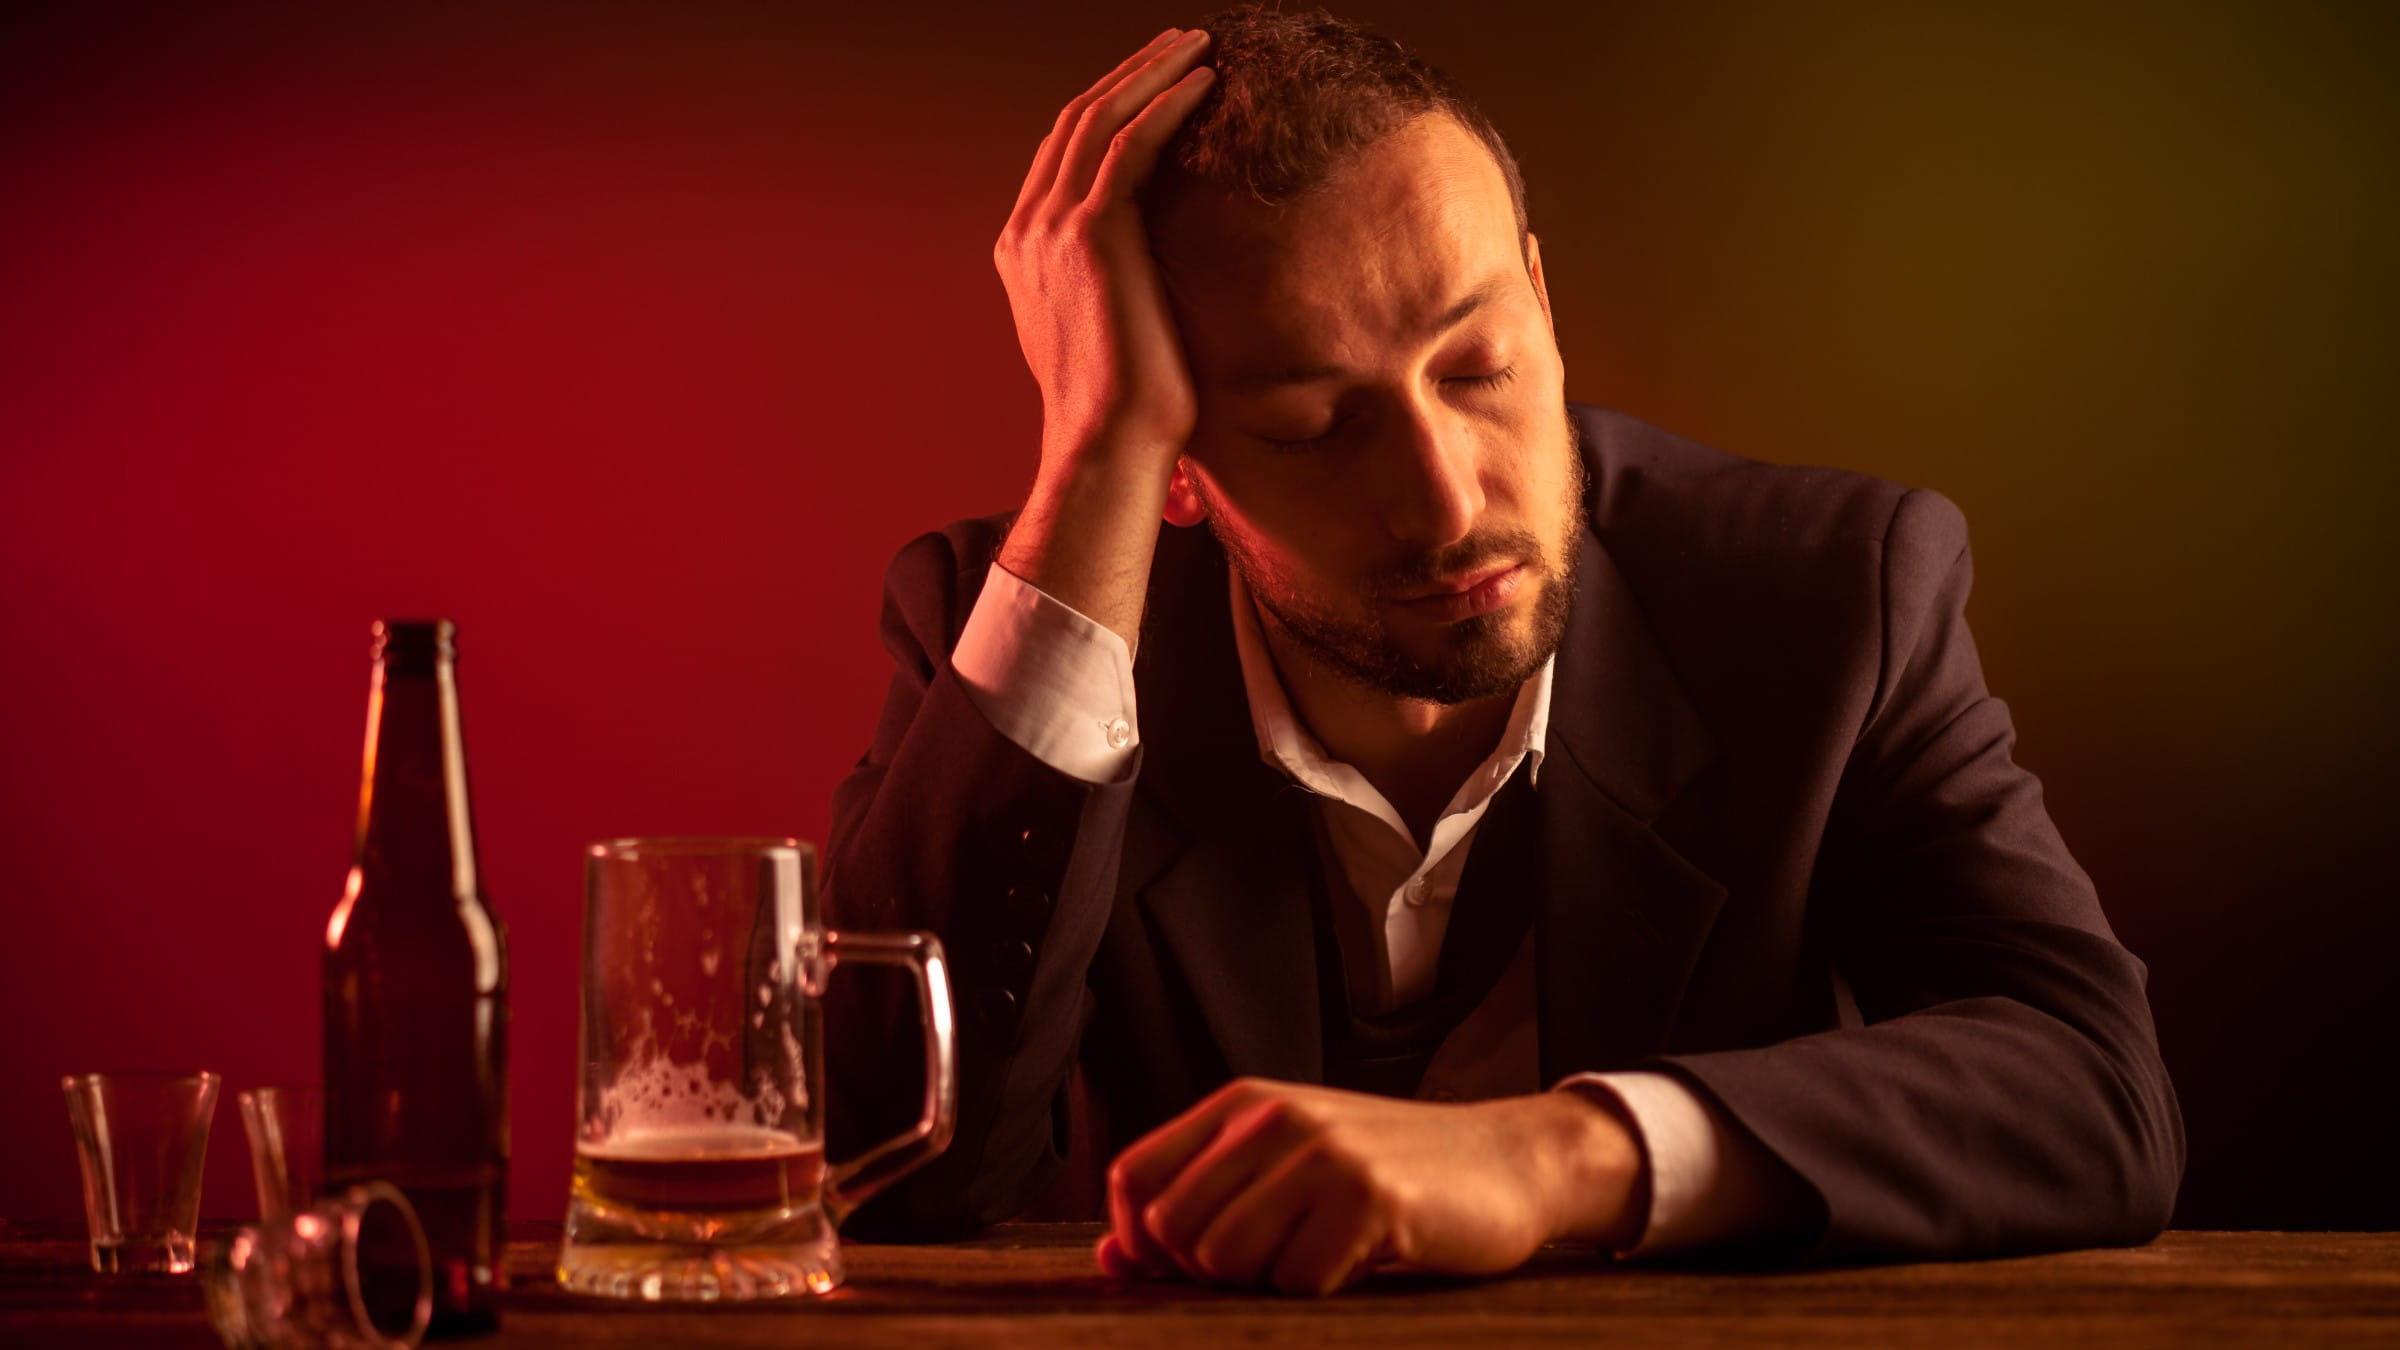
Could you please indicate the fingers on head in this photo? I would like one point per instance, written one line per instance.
(1142, 57)
(1136, 82)
(1133, 152)
(1126, 120)
(1051, 154)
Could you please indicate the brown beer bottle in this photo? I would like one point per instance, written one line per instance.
(416, 987)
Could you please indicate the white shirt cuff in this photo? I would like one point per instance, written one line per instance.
(1707, 1182)
(1048, 678)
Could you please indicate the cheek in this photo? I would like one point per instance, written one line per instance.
(1304, 533)
(1273, 494)
(1528, 475)
(1517, 471)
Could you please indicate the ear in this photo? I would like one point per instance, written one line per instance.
(1184, 506)
(1541, 288)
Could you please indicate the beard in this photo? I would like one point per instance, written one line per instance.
(1479, 657)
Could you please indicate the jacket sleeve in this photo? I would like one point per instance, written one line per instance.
(947, 825)
(2003, 1090)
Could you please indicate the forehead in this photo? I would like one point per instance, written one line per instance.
(1370, 263)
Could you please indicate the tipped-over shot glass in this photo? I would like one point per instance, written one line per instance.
(286, 1128)
(140, 1138)
(299, 1281)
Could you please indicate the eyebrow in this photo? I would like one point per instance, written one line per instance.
(1257, 378)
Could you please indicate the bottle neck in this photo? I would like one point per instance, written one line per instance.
(415, 829)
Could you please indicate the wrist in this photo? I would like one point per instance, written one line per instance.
(1086, 537)
(1598, 1178)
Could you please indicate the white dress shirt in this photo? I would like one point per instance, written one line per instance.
(1060, 685)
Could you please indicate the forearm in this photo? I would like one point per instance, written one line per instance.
(1983, 1126)
(1088, 532)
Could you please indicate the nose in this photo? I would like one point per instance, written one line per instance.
(1431, 475)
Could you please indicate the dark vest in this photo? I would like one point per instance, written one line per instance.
(1387, 1053)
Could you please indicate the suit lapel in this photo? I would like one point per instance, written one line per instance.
(1622, 915)
(1235, 914)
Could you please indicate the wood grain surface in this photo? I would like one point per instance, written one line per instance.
(1035, 1285)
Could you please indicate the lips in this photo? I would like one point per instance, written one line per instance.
(1465, 597)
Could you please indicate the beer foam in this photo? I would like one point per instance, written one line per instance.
(694, 1064)
(718, 1142)
(655, 1092)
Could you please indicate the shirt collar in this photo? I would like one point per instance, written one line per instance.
(1287, 745)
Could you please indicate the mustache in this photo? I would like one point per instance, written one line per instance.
(1421, 571)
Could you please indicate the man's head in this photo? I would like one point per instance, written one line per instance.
(1383, 445)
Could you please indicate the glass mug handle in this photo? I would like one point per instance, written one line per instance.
(849, 1183)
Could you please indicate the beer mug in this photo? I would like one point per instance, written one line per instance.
(700, 1169)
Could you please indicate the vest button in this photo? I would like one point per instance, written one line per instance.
(1044, 852)
(1012, 960)
(995, 1007)
(1026, 907)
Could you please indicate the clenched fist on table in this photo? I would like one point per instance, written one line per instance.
(1308, 1189)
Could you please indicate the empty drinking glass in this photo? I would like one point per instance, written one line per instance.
(299, 1281)
(286, 1126)
(140, 1138)
(700, 1168)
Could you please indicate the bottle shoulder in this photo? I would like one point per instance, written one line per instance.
(439, 932)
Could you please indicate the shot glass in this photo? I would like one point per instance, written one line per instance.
(286, 1128)
(140, 1138)
(300, 1281)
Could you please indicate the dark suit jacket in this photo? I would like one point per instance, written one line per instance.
(1782, 853)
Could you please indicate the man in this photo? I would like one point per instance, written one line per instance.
(1486, 743)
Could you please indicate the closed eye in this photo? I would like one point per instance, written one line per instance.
(1492, 381)
(1304, 442)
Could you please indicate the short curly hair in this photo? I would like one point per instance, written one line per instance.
(1298, 95)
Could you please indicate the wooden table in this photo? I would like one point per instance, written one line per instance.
(1035, 1285)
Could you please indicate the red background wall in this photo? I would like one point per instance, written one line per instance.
(637, 338)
